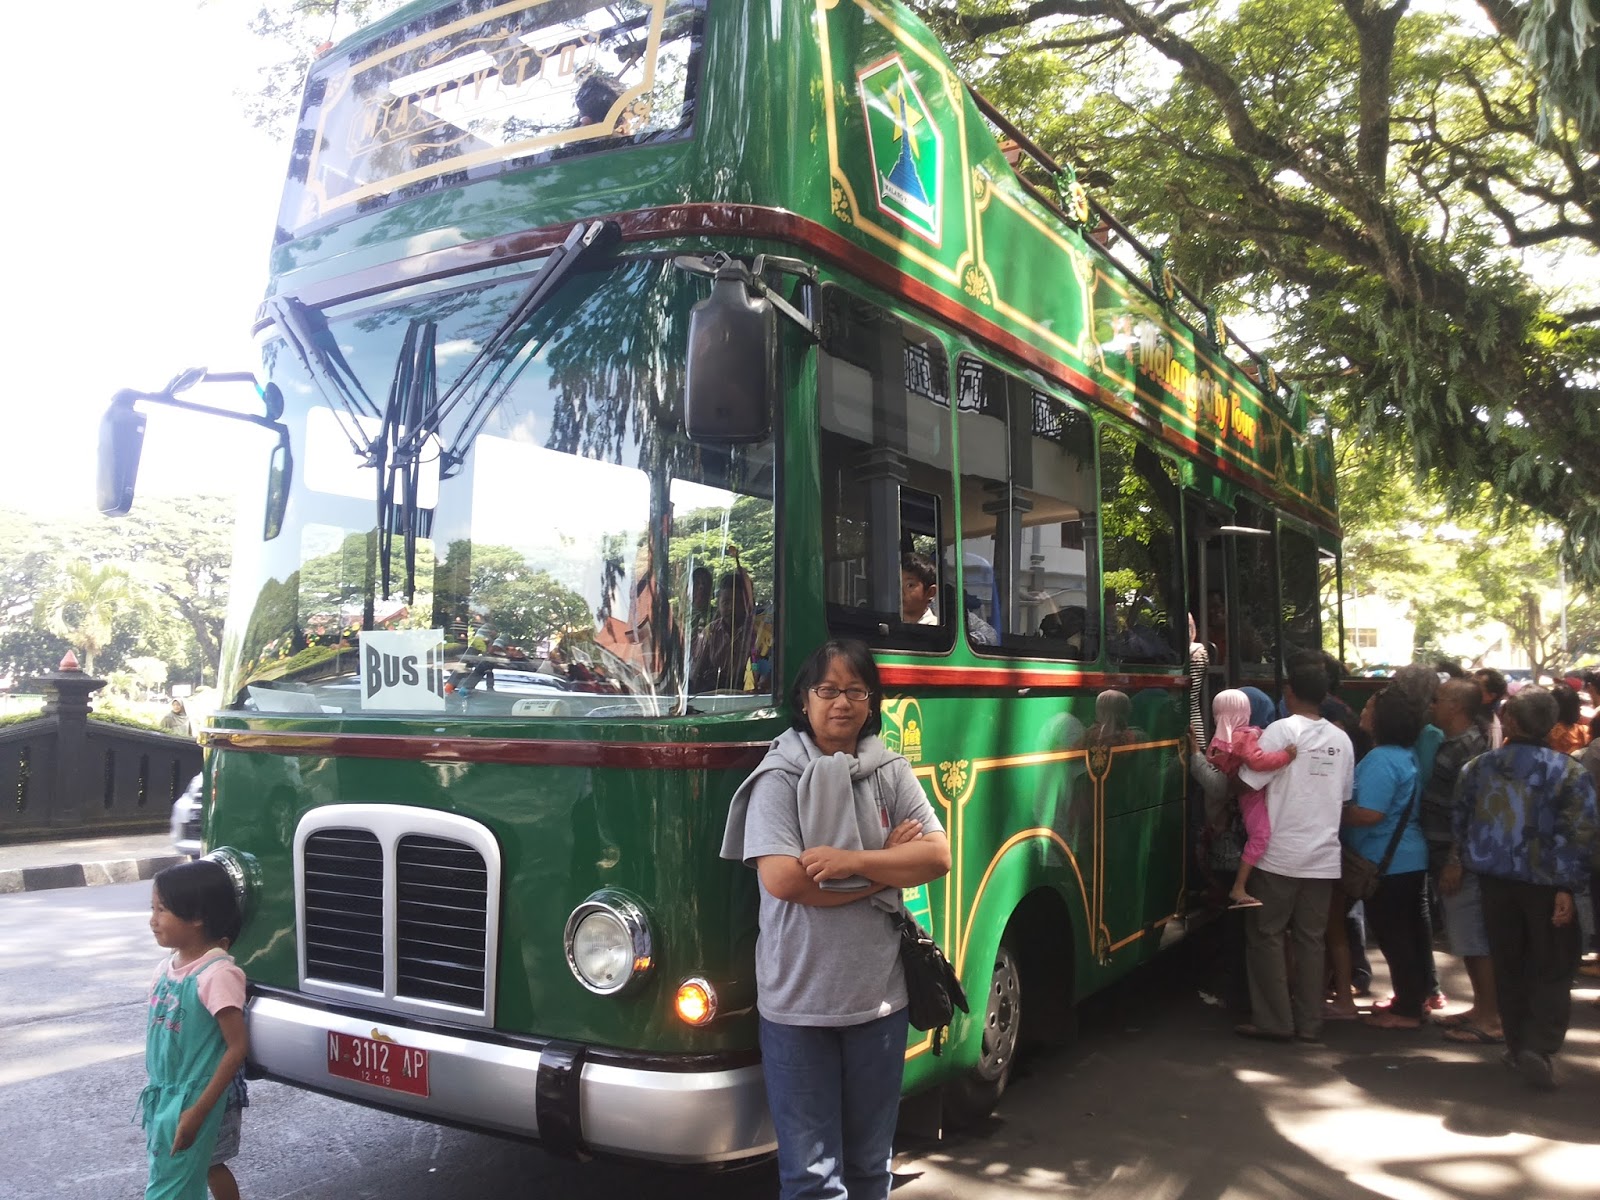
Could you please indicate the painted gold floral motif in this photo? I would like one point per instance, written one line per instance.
(976, 286)
(953, 776)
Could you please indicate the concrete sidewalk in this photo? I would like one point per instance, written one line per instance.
(84, 862)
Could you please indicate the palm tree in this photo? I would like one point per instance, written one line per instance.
(85, 605)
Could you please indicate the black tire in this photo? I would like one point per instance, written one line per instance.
(973, 1096)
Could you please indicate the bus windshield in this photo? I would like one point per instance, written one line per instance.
(485, 86)
(564, 550)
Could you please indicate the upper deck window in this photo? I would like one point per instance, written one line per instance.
(477, 88)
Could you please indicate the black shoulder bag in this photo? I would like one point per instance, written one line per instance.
(932, 987)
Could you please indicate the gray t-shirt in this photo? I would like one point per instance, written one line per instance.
(828, 966)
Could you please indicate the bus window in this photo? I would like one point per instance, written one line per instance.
(1028, 506)
(1142, 595)
(1329, 601)
(1256, 630)
(1297, 557)
(886, 483)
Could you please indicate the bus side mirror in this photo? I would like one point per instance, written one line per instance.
(280, 472)
(731, 383)
(121, 443)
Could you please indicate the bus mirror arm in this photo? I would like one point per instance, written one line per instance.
(720, 265)
(122, 434)
(731, 384)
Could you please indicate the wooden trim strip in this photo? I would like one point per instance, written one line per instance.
(517, 752)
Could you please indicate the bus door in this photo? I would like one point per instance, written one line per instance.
(1207, 591)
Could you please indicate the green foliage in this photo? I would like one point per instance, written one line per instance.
(162, 571)
(1562, 41)
(1373, 174)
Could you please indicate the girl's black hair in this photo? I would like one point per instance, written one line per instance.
(858, 658)
(1395, 720)
(1569, 709)
(201, 891)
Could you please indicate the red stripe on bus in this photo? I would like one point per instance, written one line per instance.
(519, 752)
(917, 674)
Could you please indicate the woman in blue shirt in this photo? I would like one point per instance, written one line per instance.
(1385, 792)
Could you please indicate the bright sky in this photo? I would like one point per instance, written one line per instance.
(140, 245)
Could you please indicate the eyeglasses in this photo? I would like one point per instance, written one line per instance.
(856, 695)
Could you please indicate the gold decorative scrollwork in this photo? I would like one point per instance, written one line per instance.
(976, 286)
(841, 204)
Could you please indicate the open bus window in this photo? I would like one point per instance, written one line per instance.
(1028, 517)
(555, 565)
(1297, 560)
(1257, 628)
(886, 482)
(1142, 594)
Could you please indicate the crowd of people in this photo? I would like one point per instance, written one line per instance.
(1450, 804)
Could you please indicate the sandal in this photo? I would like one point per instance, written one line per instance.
(1473, 1035)
(1247, 902)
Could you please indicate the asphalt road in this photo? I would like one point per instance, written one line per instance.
(1156, 1100)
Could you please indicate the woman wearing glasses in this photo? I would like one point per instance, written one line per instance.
(834, 825)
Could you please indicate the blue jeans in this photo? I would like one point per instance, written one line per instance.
(834, 1093)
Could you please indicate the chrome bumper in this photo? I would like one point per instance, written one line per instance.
(670, 1116)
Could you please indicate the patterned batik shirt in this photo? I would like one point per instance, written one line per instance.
(1526, 812)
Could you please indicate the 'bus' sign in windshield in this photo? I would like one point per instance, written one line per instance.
(503, 86)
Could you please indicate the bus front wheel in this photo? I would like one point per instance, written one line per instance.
(973, 1096)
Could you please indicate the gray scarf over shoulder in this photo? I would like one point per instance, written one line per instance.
(833, 812)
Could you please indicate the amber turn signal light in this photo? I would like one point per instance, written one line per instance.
(696, 1002)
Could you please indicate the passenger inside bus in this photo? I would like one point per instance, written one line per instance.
(919, 584)
(722, 657)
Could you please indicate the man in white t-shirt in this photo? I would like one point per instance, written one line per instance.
(1294, 879)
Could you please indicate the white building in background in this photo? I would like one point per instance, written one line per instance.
(1380, 632)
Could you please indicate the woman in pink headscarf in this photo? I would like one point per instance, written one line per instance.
(1233, 745)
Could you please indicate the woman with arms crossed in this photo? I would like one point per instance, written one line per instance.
(835, 825)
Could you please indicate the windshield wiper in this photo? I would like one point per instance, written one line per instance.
(489, 366)
(415, 411)
(412, 395)
(307, 334)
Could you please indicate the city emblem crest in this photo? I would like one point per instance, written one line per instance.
(907, 148)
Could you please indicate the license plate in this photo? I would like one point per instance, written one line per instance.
(381, 1064)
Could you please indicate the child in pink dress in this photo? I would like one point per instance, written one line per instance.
(1233, 745)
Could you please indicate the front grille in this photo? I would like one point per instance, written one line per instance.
(343, 932)
(401, 903)
(442, 904)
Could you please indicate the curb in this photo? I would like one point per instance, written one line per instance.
(95, 874)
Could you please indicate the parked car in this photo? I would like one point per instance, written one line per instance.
(188, 821)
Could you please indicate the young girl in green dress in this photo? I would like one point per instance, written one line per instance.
(195, 1040)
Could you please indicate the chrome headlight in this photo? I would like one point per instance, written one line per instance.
(242, 872)
(607, 941)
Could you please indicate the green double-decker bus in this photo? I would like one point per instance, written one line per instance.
(619, 354)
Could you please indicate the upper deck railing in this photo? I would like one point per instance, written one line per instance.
(1148, 269)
